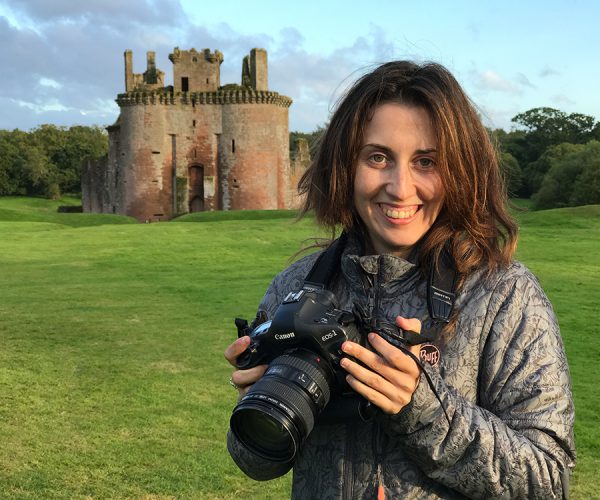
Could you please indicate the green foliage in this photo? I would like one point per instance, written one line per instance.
(541, 136)
(111, 368)
(548, 126)
(47, 160)
(511, 172)
(573, 177)
(535, 171)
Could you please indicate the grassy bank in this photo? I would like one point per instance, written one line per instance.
(112, 380)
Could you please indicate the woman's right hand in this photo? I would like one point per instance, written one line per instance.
(242, 379)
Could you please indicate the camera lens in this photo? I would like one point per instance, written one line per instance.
(279, 411)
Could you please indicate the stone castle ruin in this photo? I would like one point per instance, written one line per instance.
(195, 145)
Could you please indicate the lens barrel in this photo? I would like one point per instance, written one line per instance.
(274, 418)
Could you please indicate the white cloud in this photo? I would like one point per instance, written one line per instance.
(490, 80)
(42, 107)
(49, 82)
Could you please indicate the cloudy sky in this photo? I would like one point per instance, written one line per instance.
(62, 60)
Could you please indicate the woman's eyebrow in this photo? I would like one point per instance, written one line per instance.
(380, 147)
(386, 149)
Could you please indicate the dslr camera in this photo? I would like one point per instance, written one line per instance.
(302, 345)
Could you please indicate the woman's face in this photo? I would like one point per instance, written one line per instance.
(398, 192)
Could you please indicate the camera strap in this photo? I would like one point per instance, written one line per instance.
(441, 289)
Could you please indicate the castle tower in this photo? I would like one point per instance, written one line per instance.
(195, 146)
(196, 71)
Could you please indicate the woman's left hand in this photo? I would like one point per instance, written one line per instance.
(391, 377)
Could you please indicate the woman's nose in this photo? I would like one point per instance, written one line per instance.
(400, 183)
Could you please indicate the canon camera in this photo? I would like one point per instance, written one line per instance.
(302, 345)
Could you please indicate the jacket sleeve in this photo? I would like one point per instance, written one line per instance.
(516, 440)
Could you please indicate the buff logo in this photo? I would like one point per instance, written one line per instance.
(430, 354)
(284, 336)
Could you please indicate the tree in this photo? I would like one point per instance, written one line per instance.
(545, 127)
(573, 178)
(511, 171)
(47, 160)
(534, 172)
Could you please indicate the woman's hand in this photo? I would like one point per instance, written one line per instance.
(242, 379)
(391, 377)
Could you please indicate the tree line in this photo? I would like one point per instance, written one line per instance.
(549, 156)
(46, 161)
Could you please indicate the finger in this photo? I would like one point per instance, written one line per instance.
(243, 378)
(236, 348)
(378, 399)
(386, 360)
(412, 324)
(393, 355)
(370, 378)
(377, 372)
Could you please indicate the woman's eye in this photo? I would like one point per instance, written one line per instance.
(378, 159)
(425, 162)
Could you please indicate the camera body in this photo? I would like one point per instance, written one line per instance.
(307, 319)
(302, 345)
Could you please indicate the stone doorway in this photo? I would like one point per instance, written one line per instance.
(196, 188)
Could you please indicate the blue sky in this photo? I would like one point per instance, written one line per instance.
(62, 60)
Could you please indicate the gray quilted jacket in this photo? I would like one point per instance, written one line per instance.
(502, 377)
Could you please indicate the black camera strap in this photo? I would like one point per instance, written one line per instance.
(441, 289)
(327, 264)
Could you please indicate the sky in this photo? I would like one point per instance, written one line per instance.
(62, 60)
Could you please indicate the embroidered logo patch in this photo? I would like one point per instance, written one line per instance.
(430, 354)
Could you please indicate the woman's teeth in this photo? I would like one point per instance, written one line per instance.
(399, 214)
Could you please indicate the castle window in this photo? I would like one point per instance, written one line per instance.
(155, 152)
(193, 123)
(194, 59)
(233, 145)
(207, 80)
(185, 84)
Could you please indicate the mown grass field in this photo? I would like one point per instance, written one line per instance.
(112, 380)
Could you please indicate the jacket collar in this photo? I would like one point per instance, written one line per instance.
(387, 267)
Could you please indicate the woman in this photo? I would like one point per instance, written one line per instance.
(408, 171)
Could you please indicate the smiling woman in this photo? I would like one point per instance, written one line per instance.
(398, 192)
(458, 352)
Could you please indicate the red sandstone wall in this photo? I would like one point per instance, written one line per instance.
(253, 173)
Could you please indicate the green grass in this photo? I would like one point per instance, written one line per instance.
(112, 378)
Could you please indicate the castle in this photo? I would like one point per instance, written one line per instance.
(195, 145)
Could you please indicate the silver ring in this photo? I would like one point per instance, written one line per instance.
(233, 384)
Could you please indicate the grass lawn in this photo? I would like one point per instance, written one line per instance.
(112, 379)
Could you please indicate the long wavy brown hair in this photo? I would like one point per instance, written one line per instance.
(474, 223)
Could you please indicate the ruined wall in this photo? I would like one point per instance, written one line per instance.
(299, 162)
(163, 139)
(254, 155)
(195, 71)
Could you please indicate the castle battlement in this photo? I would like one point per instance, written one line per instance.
(247, 96)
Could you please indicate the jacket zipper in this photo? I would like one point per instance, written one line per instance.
(373, 299)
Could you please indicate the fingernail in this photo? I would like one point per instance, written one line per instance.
(344, 362)
(346, 347)
(371, 337)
